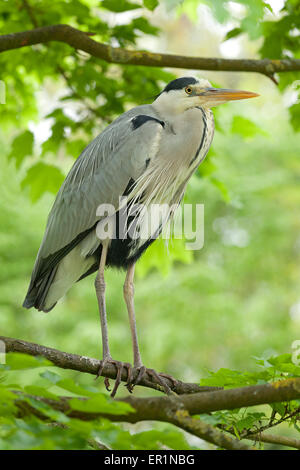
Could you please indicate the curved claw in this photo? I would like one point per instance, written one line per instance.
(128, 384)
(159, 380)
(167, 376)
(156, 378)
(142, 370)
(100, 370)
(119, 366)
(107, 384)
(118, 378)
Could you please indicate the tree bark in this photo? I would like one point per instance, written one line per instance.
(91, 366)
(82, 41)
(192, 398)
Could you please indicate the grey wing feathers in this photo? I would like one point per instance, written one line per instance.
(100, 175)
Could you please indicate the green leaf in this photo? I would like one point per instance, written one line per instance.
(214, 418)
(71, 386)
(233, 33)
(219, 10)
(156, 439)
(279, 360)
(283, 363)
(279, 408)
(119, 6)
(7, 405)
(245, 127)
(142, 24)
(268, 6)
(75, 146)
(259, 360)
(100, 404)
(22, 146)
(249, 420)
(51, 377)
(295, 116)
(252, 27)
(159, 256)
(47, 410)
(151, 4)
(19, 361)
(207, 167)
(41, 178)
(222, 188)
(55, 140)
(231, 378)
(40, 391)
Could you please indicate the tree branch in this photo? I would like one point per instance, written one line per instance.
(172, 412)
(193, 398)
(91, 366)
(177, 410)
(199, 428)
(81, 40)
(278, 440)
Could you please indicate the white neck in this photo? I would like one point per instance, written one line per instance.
(168, 106)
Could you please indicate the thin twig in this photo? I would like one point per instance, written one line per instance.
(259, 434)
(30, 13)
(284, 418)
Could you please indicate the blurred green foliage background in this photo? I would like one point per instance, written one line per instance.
(236, 298)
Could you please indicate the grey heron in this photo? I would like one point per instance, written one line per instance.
(148, 154)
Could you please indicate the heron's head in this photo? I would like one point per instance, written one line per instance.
(189, 92)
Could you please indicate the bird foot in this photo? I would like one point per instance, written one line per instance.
(157, 378)
(143, 372)
(119, 366)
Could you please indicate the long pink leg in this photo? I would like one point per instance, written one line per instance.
(100, 292)
(129, 299)
(106, 357)
(137, 361)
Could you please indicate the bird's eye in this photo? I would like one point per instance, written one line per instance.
(188, 90)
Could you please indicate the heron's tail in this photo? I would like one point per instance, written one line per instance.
(47, 288)
(37, 292)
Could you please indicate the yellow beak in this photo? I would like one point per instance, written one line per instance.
(223, 94)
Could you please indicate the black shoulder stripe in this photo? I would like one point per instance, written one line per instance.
(129, 187)
(139, 120)
(203, 135)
